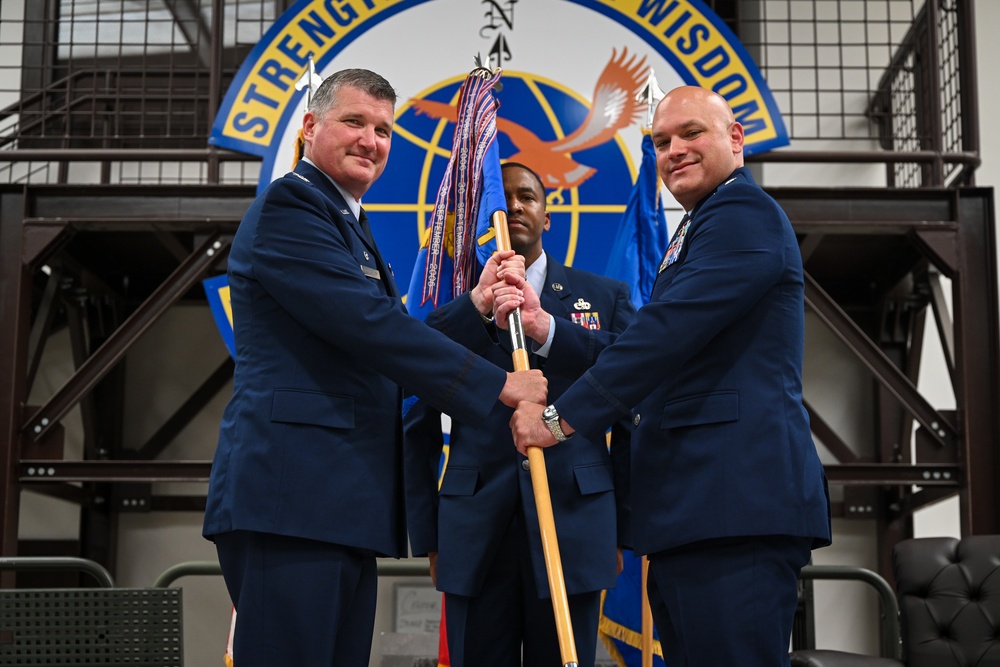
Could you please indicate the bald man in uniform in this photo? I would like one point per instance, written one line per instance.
(728, 495)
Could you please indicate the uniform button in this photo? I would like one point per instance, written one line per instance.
(635, 421)
(525, 464)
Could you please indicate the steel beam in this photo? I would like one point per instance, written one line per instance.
(183, 415)
(977, 361)
(15, 313)
(833, 442)
(943, 323)
(113, 471)
(101, 362)
(888, 474)
(875, 360)
(42, 326)
(189, 20)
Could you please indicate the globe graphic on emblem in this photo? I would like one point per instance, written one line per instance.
(584, 219)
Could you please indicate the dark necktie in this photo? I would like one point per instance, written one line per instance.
(383, 267)
(366, 229)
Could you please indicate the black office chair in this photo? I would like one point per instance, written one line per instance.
(949, 606)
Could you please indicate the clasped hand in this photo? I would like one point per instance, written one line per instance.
(502, 289)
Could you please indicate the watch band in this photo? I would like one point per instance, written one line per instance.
(552, 422)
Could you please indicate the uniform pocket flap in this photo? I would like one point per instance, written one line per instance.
(594, 478)
(312, 407)
(459, 481)
(723, 406)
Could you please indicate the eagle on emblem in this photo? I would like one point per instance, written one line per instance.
(615, 106)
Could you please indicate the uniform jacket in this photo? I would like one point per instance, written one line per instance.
(486, 480)
(310, 443)
(710, 372)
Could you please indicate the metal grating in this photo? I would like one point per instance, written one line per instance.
(854, 75)
(823, 60)
(101, 626)
(147, 76)
(142, 76)
(950, 80)
(905, 134)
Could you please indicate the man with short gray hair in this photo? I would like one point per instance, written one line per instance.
(306, 487)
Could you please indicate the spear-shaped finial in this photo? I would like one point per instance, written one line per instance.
(650, 95)
(482, 69)
(309, 80)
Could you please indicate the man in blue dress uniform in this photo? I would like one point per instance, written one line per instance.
(728, 495)
(481, 531)
(307, 483)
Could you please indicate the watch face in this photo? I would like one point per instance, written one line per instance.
(549, 413)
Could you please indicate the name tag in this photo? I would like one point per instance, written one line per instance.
(371, 273)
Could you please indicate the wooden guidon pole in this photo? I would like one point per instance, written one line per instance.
(540, 485)
(647, 618)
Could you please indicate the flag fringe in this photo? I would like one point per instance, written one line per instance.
(609, 632)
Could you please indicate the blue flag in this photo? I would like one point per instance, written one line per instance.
(635, 258)
(217, 291)
(642, 236)
(471, 191)
(620, 626)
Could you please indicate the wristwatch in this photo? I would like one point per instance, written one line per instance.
(551, 418)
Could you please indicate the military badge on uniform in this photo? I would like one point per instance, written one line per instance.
(581, 304)
(674, 249)
(586, 320)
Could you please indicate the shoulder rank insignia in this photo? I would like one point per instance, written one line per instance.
(586, 320)
(300, 176)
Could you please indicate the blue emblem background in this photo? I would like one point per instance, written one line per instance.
(594, 208)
